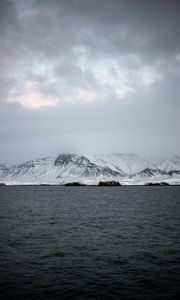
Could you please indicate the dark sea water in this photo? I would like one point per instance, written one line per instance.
(89, 242)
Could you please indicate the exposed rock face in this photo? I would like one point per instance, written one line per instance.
(82, 165)
(65, 159)
(174, 172)
(148, 172)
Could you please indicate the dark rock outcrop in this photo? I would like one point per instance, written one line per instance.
(109, 183)
(156, 183)
(74, 184)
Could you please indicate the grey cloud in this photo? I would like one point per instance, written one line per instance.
(7, 16)
(152, 25)
(41, 48)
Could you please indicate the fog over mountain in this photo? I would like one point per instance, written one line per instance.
(86, 76)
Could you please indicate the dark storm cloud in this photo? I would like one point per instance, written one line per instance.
(7, 15)
(86, 75)
(152, 25)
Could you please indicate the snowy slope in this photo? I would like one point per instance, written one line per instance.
(91, 169)
(128, 164)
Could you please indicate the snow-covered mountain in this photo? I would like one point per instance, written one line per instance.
(90, 169)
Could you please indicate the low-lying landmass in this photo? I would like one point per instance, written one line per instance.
(109, 183)
(74, 184)
(157, 183)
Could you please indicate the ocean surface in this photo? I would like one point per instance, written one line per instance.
(89, 242)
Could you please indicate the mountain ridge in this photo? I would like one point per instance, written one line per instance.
(90, 169)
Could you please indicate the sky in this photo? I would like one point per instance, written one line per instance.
(89, 76)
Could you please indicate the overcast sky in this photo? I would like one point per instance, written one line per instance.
(89, 76)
